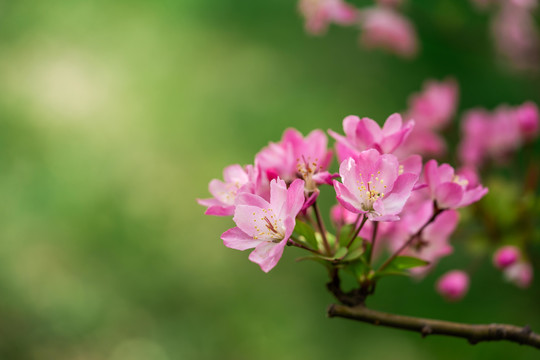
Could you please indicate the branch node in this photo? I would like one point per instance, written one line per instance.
(526, 330)
(331, 310)
(426, 330)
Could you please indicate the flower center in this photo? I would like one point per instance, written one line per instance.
(269, 227)
(371, 190)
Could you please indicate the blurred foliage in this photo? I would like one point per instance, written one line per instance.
(113, 118)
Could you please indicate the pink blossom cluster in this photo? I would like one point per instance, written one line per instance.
(498, 134)
(381, 25)
(413, 203)
(514, 31)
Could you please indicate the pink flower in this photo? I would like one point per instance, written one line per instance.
(237, 179)
(320, 13)
(435, 105)
(498, 134)
(296, 156)
(520, 274)
(528, 120)
(373, 185)
(385, 28)
(453, 285)
(506, 256)
(266, 226)
(363, 134)
(451, 191)
(516, 35)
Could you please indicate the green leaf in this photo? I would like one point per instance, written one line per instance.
(345, 234)
(354, 254)
(407, 262)
(307, 233)
(400, 265)
(360, 269)
(340, 253)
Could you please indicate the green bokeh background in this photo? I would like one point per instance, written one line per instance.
(114, 115)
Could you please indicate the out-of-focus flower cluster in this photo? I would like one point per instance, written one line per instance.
(391, 204)
(514, 30)
(381, 25)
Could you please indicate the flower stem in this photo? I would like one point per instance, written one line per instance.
(373, 238)
(355, 234)
(322, 228)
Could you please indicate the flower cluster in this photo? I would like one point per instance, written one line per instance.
(498, 134)
(513, 27)
(381, 25)
(394, 209)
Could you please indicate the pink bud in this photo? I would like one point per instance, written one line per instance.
(527, 117)
(506, 256)
(341, 216)
(520, 274)
(453, 285)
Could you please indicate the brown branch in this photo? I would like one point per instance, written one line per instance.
(473, 333)
(322, 229)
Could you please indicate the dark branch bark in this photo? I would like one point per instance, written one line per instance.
(473, 333)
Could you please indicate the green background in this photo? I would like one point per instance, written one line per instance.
(114, 116)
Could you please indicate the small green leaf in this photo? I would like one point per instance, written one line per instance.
(407, 262)
(307, 233)
(340, 253)
(354, 254)
(400, 265)
(345, 234)
(359, 269)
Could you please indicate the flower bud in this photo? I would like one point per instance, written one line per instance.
(520, 274)
(506, 256)
(528, 119)
(453, 285)
(341, 216)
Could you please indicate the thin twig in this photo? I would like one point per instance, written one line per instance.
(436, 212)
(473, 333)
(321, 228)
(364, 219)
(373, 238)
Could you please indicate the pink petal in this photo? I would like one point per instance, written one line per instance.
(237, 239)
(267, 254)
(295, 198)
(448, 195)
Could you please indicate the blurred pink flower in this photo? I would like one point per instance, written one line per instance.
(341, 216)
(373, 185)
(385, 28)
(516, 35)
(528, 120)
(266, 226)
(434, 107)
(453, 285)
(520, 274)
(449, 190)
(296, 156)
(320, 13)
(363, 134)
(506, 256)
(498, 134)
(237, 179)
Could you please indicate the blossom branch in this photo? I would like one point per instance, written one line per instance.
(473, 333)
(436, 212)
